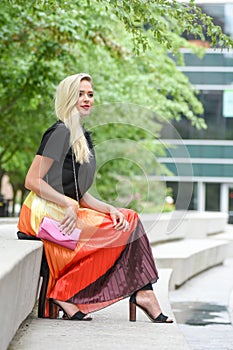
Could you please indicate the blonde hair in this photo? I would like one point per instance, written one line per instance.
(66, 97)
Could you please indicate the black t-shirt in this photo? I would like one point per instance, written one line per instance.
(55, 145)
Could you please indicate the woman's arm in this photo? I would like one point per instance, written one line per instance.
(119, 221)
(34, 182)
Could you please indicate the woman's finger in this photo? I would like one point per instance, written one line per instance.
(67, 225)
(68, 229)
(122, 224)
(119, 223)
(126, 225)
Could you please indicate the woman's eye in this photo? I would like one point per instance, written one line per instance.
(90, 95)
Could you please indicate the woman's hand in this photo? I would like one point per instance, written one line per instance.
(119, 221)
(68, 224)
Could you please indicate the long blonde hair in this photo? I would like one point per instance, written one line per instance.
(67, 95)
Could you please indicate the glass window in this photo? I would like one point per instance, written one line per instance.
(212, 197)
(218, 127)
(210, 78)
(215, 59)
(184, 195)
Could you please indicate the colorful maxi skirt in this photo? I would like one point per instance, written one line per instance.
(106, 266)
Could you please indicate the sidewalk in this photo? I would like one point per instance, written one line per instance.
(203, 307)
(110, 329)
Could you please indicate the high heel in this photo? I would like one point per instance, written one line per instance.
(54, 309)
(161, 318)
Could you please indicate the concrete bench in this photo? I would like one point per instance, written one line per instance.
(189, 257)
(20, 263)
(165, 227)
(188, 242)
(228, 236)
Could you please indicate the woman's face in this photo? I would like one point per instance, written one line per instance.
(85, 102)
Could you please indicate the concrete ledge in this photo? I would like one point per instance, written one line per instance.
(227, 236)
(189, 257)
(9, 220)
(231, 306)
(19, 276)
(183, 224)
(202, 224)
(165, 226)
(8, 231)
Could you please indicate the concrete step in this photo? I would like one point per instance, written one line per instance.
(189, 257)
(227, 235)
(162, 227)
(19, 275)
(8, 231)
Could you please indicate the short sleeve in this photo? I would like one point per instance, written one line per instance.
(55, 142)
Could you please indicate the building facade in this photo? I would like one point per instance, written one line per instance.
(201, 161)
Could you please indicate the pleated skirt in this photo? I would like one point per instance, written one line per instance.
(106, 266)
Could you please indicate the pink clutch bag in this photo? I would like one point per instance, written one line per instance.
(49, 230)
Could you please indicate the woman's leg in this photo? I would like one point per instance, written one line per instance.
(147, 300)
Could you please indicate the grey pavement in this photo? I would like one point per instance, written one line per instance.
(110, 329)
(203, 308)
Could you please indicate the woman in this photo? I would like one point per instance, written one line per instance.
(113, 258)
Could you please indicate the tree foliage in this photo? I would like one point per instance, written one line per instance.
(123, 44)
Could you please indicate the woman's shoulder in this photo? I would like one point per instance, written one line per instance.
(55, 141)
(57, 131)
(58, 126)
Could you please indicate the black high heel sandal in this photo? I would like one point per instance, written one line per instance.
(161, 318)
(54, 309)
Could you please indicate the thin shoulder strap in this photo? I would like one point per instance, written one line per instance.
(75, 179)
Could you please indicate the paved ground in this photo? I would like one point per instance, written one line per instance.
(203, 308)
(110, 329)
